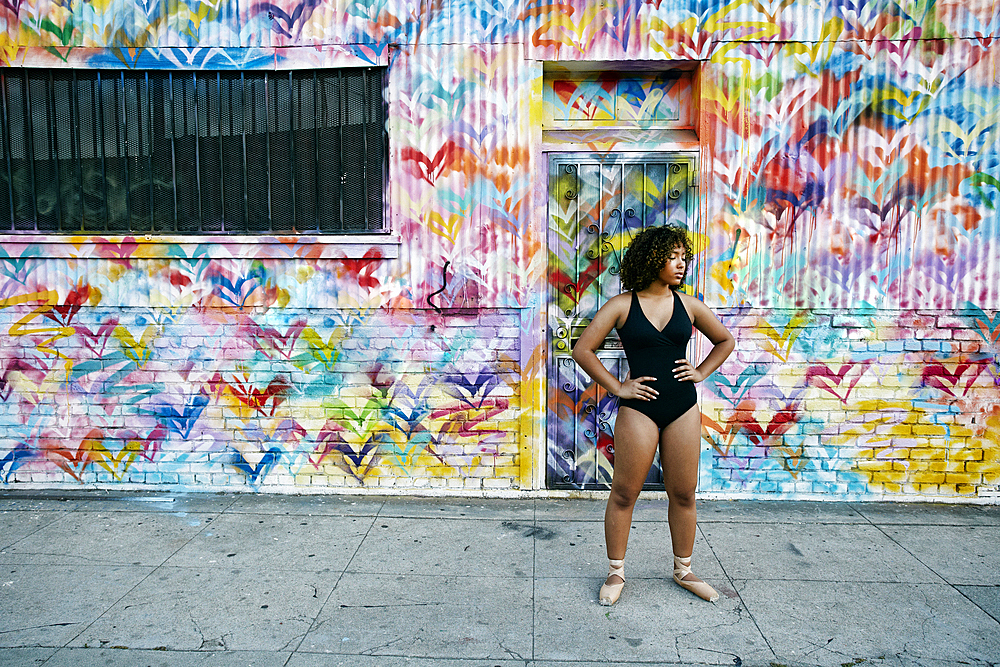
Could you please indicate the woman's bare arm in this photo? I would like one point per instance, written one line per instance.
(608, 317)
(723, 343)
(585, 350)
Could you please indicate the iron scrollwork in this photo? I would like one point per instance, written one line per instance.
(571, 170)
(571, 290)
(595, 230)
(607, 247)
(588, 410)
(675, 168)
(569, 386)
(604, 421)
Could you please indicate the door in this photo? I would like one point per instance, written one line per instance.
(597, 203)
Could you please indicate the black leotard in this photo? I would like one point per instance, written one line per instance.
(655, 353)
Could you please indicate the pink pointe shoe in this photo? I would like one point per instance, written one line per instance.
(682, 568)
(610, 592)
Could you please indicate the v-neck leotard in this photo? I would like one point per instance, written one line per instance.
(655, 353)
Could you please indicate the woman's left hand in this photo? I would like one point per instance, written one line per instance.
(685, 372)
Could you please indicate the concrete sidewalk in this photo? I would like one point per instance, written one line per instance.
(136, 579)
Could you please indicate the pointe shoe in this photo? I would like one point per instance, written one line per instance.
(682, 568)
(610, 592)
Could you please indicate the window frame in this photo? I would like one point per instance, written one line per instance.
(349, 237)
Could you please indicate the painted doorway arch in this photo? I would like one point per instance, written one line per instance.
(596, 204)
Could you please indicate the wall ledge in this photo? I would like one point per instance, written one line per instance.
(150, 246)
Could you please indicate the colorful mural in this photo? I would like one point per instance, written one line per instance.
(227, 389)
(849, 168)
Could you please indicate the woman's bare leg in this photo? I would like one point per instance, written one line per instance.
(635, 446)
(679, 455)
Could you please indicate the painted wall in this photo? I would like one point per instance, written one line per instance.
(850, 174)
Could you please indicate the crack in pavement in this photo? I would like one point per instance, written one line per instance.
(388, 606)
(503, 647)
(738, 612)
(371, 651)
(38, 627)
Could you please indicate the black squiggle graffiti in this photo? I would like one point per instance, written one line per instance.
(444, 285)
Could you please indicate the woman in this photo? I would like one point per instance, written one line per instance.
(658, 402)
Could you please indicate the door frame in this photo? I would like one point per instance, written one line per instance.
(559, 339)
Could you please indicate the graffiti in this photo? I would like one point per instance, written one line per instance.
(281, 394)
(846, 223)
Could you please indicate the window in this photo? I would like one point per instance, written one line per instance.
(102, 151)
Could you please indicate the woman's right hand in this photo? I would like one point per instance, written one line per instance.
(635, 388)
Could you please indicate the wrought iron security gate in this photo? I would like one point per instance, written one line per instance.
(597, 203)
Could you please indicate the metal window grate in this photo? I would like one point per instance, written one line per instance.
(98, 151)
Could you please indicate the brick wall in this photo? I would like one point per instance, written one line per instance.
(866, 404)
(812, 403)
(255, 399)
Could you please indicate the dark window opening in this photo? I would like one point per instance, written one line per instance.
(108, 151)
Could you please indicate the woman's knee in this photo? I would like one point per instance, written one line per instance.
(623, 496)
(682, 497)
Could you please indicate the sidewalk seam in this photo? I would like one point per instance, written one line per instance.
(742, 604)
(153, 571)
(319, 612)
(917, 558)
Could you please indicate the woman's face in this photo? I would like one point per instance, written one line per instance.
(672, 272)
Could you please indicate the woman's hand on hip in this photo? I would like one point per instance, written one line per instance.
(685, 372)
(635, 388)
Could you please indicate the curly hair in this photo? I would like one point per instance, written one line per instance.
(647, 254)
